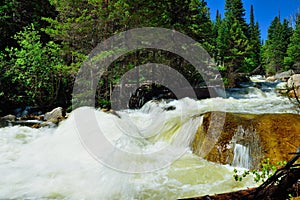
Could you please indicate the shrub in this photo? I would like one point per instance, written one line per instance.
(33, 69)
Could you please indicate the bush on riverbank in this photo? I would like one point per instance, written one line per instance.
(34, 73)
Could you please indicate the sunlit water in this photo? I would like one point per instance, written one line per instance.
(51, 163)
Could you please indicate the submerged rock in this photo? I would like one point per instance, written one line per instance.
(265, 135)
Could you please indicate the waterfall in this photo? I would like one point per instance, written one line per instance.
(241, 156)
(247, 149)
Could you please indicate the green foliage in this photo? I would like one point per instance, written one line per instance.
(276, 46)
(37, 67)
(215, 32)
(293, 51)
(253, 55)
(267, 169)
(232, 41)
(16, 14)
(81, 25)
(103, 103)
(34, 69)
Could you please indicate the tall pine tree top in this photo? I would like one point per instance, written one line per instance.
(253, 60)
(235, 11)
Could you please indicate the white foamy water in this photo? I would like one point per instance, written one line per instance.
(51, 163)
(241, 156)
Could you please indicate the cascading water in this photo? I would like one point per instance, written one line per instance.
(246, 148)
(241, 156)
(51, 163)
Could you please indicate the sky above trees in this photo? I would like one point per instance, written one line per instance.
(264, 10)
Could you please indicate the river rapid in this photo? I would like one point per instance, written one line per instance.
(52, 163)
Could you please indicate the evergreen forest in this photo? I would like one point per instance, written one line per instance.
(44, 42)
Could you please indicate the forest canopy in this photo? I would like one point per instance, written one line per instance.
(43, 43)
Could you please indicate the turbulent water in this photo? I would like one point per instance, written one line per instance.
(51, 163)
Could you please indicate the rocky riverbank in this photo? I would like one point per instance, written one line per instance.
(34, 120)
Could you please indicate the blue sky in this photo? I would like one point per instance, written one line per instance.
(264, 10)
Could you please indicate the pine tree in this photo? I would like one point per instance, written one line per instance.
(293, 51)
(276, 46)
(236, 11)
(215, 32)
(232, 39)
(82, 24)
(253, 57)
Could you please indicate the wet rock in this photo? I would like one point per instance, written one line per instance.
(284, 76)
(266, 135)
(293, 85)
(148, 92)
(6, 120)
(169, 108)
(55, 116)
(282, 88)
(271, 79)
(9, 117)
(294, 93)
(31, 117)
(294, 81)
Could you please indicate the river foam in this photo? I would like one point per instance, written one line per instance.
(52, 163)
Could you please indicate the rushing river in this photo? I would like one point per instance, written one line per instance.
(51, 163)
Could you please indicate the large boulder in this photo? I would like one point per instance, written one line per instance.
(6, 120)
(293, 85)
(294, 81)
(9, 117)
(55, 116)
(265, 135)
(284, 76)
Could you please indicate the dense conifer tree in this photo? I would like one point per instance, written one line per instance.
(275, 49)
(216, 26)
(232, 39)
(253, 57)
(293, 52)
